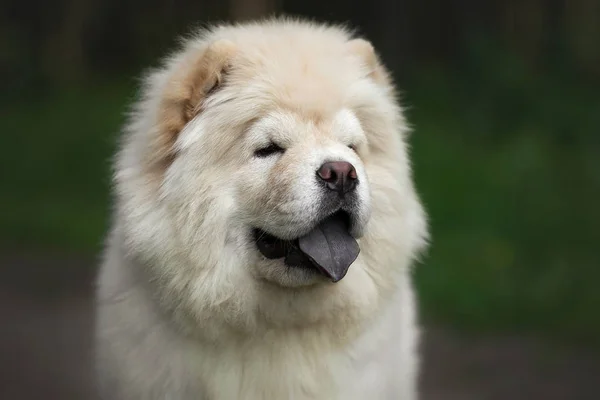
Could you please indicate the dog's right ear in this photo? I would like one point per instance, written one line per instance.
(186, 90)
(364, 50)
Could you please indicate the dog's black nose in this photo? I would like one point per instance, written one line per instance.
(339, 176)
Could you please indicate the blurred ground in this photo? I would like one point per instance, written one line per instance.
(46, 326)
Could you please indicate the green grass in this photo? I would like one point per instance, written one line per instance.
(506, 161)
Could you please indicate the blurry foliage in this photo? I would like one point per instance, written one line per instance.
(56, 163)
(507, 161)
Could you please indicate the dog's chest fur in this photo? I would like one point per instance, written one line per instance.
(149, 360)
(303, 371)
(378, 365)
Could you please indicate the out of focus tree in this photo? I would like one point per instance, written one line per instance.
(67, 40)
(524, 25)
(63, 51)
(582, 25)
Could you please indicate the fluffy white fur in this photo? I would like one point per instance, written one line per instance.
(187, 306)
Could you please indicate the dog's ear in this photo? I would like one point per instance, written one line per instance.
(363, 49)
(187, 88)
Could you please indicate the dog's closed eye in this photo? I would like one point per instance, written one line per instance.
(269, 150)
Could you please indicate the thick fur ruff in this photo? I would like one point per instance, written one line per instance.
(187, 307)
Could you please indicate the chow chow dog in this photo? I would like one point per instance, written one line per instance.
(264, 226)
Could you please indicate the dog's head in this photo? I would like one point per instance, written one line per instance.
(270, 158)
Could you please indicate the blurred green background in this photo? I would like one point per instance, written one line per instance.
(503, 97)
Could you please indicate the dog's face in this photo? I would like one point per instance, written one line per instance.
(270, 157)
(298, 173)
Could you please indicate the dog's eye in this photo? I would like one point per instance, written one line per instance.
(352, 147)
(269, 150)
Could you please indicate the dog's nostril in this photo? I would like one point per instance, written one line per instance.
(340, 176)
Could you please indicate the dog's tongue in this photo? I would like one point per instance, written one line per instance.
(330, 247)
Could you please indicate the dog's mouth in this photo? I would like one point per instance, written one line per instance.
(328, 247)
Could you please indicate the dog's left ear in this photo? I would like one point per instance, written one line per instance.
(363, 49)
(185, 93)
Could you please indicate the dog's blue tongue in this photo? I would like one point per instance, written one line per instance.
(330, 247)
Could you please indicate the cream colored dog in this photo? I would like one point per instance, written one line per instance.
(264, 226)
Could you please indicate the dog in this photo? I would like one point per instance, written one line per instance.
(265, 225)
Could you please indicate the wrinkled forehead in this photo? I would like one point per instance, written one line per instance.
(288, 97)
(287, 127)
(313, 82)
